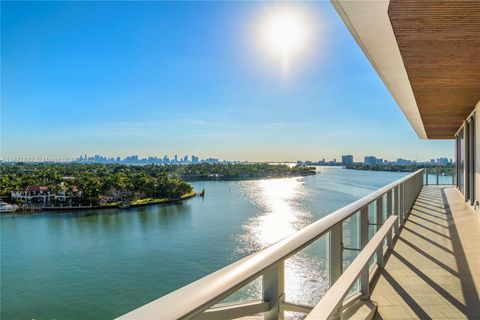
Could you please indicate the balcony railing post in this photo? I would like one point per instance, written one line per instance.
(336, 260)
(390, 195)
(379, 222)
(407, 190)
(336, 252)
(419, 188)
(437, 174)
(405, 201)
(401, 204)
(389, 213)
(364, 278)
(274, 290)
(410, 189)
(426, 177)
(396, 208)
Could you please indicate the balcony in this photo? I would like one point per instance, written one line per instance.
(417, 256)
(433, 271)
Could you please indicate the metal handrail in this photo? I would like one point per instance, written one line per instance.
(194, 298)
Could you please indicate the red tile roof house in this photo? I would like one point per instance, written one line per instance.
(39, 194)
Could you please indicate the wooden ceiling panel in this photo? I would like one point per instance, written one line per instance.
(440, 46)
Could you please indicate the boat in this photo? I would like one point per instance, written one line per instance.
(7, 208)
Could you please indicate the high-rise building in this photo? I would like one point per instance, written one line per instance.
(403, 162)
(370, 160)
(442, 161)
(347, 160)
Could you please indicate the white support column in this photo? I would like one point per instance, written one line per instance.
(379, 222)
(364, 277)
(274, 290)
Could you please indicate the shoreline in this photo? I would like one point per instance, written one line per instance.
(39, 209)
(203, 178)
(31, 210)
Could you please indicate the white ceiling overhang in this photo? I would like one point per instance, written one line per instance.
(369, 23)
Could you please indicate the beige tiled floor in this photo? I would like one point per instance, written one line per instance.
(434, 269)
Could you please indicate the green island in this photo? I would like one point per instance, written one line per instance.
(238, 171)
(73, 185)
(441, 169)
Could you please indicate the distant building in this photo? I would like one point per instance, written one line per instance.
(370, 160)
(442, 161)
(403, 162)
(347, 160)
(212, 160)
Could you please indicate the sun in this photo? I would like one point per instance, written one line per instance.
(285, 34)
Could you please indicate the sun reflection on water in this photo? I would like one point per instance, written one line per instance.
(280, 213)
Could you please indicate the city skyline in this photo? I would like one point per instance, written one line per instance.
(192, 158)
(115, 79)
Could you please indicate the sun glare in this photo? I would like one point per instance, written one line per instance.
(285, 34)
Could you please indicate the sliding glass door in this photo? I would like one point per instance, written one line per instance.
(460, 160)
(465, 159)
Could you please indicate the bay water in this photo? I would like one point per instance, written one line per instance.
(101, 264)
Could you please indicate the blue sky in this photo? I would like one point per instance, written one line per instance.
(155, 78)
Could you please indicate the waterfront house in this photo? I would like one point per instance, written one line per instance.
(32, 194)
(42, 194)
(67, 193)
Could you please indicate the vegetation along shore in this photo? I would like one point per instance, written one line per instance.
(441, 169)
(101, 186)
